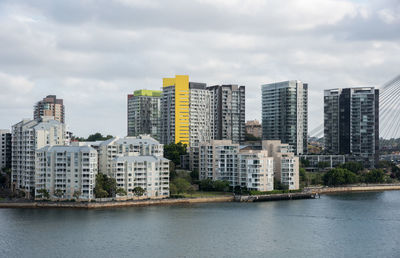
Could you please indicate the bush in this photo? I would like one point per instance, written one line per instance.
(182, 185)
(355, 167)
(121, 191)
(375, 176)
(217, 185)
(339, 176)
(138, 191)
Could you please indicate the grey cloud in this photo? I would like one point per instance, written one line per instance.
(93, 53)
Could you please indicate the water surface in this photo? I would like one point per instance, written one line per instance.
(346, 225)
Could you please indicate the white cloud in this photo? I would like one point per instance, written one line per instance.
(93, 53)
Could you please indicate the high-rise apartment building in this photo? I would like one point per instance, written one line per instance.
(351, 122)
(186, 109)
(5, 149)
(229, 112)
(69, 169)
(175, 110)
(50, 106)
(284, 113)
(27, 137)
(144, 113)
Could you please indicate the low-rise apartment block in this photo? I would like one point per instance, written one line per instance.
(223, 160)
(286, 164)
(66, 172)
(142, 145)
(151, 173)
(254, 167)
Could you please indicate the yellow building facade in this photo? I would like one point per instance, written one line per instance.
(181, 85)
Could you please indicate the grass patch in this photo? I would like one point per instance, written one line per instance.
(275, 192)
(206, 194)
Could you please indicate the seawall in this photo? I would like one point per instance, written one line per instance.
(358, 188)
(114, 204)
(274, 197)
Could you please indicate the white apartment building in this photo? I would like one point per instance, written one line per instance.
(286, 164)
(71, 169)
(151, 173)
(256, 170)
(5, 149)
(218, 160)
(27, 137)
(201, 120)
(223, 160)
(142, 145)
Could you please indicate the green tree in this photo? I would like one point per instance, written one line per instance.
(251, 138)
(100, 193)
(172, 189)
(191, 190)
(304, 162)
(339, 176)
(385, 164)
(182, 185)
(395, 172)
(194, 175)
(323, 164)
(206, 185)
(77, 194)
(375, 176)
(304, 179)
(98, 137)
(355, 167)
(173, 152)
(59, 193)
(279, 186)
(121, 192)
(105, 183)
(138, 191)
(44, 193)
(220, 186)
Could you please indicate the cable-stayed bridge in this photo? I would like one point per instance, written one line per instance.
(389, 115)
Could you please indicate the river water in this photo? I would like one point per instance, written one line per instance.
(345, 225)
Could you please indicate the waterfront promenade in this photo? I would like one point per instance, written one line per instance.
(308, 193)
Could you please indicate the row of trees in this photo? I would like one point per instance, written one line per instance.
(351, 173)
(342, 176)
(93, 138)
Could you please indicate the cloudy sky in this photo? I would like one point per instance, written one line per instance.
(93, 53)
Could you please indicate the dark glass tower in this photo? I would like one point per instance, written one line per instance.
(351, 122)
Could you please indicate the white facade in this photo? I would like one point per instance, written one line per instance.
(27, 137)
(151, 173)
(201, 120)
(286, 164)
(257, 170)
(71, 169)
(222, 160)
(142, 145)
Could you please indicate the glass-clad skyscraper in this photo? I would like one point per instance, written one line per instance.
(351, 122)
(284, 113)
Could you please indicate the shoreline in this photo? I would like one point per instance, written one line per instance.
(113, 204)
(354, 188)
(309, 193)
